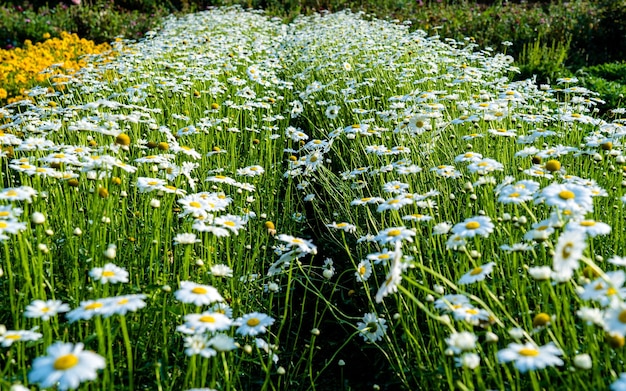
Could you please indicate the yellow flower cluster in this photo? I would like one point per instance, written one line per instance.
(22, 68)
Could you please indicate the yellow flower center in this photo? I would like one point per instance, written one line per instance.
(622, 316)
(122, 301)
(199, 290)
(472, 225)
(588, 223)
(611, 291)
(529, 352)
(252, 322)
(11, 193)
(362, 270)
(108, 273)
(195, 204)
(93, 306)
(394, 232)
(476, 271)
(229, 223)
(13, 337)
(3, 225)
(65, 362)
(567, 250)
(207, 319)
(567, 195)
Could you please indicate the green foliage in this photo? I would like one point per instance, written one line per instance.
(608, 80)
(609, 43)
(101, 21)
(546, 61)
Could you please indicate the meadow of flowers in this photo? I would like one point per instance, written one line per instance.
(234, 203)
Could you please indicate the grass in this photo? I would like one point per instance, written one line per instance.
(336, 203)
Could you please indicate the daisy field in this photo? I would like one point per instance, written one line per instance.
(340, 202)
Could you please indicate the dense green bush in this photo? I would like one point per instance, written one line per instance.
(609, 80)
(101, 21)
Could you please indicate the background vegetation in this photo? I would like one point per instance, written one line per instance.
(547, 38)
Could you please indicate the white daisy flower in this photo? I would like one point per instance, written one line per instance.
(372, 327)
(479, 225)
(109, 273)
(477, 274)
(44, 310)
(197, 294)
(8, 337)
(66, 366)
(253, 324)
(207, 322)
(529, 357)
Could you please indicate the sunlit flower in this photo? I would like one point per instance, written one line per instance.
(479, 225)
(470, 314)
(347, 227)
(468, 360)
(253, 324)
(363, 270)
(66, 366)
(476, 274)
(305, 246)
(222, 343)
(207, 322)
(568, 251)
(121, 305)
(382, 257)
(462, 341)
(87, 310)
(606, 288)
(529, 357)
(567, 196)
(395, 234)
(197, 294)
(590, 227)
(109, 273)
(221, 270)
(198, 344)
(44, 310)
(615, 318)
(186, 238)
(7, 338)
(231, 222)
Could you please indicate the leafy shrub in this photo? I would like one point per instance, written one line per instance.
(546, 61)
(609, 80)
(102, 21)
